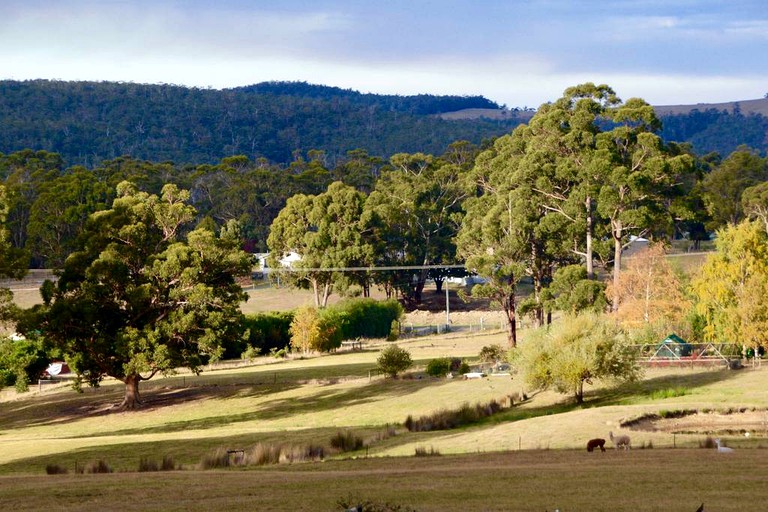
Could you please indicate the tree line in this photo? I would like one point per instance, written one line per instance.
(149, 253)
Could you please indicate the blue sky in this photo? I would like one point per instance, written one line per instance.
(521, 53)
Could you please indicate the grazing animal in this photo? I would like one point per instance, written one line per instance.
(701, 508)
(620, 441)
(596, 443)
(722, 449)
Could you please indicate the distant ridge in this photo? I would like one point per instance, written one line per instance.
(744, 106)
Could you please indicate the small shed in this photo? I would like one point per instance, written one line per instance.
(673, 347)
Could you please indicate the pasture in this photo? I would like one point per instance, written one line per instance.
(527, 457)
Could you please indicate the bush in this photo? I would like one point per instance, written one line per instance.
(439, 367)
(266, 331)
(368, 318)
(394, 360)
(492, 354)
(250, 353)
(263, 454)
(21, 362)
(346, 442)
(55, 469)
(305, 330)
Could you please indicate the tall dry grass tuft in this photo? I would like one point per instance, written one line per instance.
(449, 419)
(98, 466)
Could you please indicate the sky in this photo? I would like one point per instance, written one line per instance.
(515, 52)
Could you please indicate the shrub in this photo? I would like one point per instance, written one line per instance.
(368, 318)
(305, 330)
(332, 324)
(55, 469)
(492, 354)
(394, 360)
(266, 331)
(439, 367)
(303, 453)
(708, 442)
(346, 442)
(250, 353)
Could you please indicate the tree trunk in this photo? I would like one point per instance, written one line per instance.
(617, 232)
(510, 308)
(132, 398)
(588, 251)
(580, 392)
(438, 286)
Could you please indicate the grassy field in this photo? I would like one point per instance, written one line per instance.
(527, 457)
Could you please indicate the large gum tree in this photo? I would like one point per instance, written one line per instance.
(144, 295)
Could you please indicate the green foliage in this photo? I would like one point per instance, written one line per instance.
(21, 362)
(394, 360)
(368, 318)
(87, 122)
(731, 286)
(326, 231)
(661, 394)
(266, 331)
(141, 298)
(573, 292)
(439, 367)
(332, 323)
(575, 351)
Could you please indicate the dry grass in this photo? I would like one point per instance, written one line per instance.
(649, 480)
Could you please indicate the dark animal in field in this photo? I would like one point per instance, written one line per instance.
(596, 443)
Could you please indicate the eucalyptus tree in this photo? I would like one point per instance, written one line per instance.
(327, 232)
(142, 296)
(642, 171)
(416, 210)
(724, 185)
(59, 213)
(565, 167)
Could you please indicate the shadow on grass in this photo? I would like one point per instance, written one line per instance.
(65, 405)
(328, 398)
(184, 452)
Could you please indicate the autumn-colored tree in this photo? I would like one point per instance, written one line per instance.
(305, 330)
(732, 284)
(649, 291)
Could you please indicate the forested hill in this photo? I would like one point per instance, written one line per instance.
(88, 122)
(420, 104)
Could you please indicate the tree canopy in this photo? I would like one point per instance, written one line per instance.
(143, 295)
